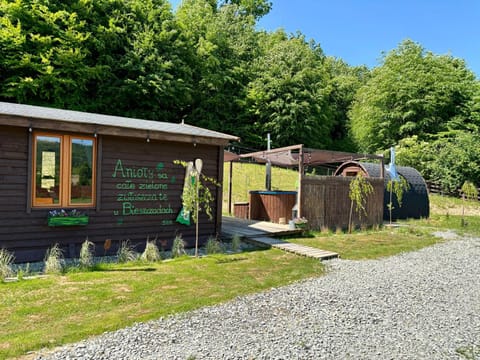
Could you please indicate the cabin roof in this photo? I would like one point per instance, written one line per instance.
(8, 110)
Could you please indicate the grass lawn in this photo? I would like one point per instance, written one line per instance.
(445, 213)
(370, 244)
(446, 205)
(438, 222)
(411, 235)
(60, 309)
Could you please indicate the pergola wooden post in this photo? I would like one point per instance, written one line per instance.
(230, 157)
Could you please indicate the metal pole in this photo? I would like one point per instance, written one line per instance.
(268, 168)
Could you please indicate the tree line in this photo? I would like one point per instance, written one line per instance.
(207, 63)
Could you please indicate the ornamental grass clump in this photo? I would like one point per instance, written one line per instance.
(54, 262)
(325, 230)
(213, 246)
(151, 252)
(178, 246)
(23, 273)
(6, 261)
(126, 252)
(236, 243)
(87, 253)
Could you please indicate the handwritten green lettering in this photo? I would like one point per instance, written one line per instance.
(128, 209)
(118, 168)
(132, 172)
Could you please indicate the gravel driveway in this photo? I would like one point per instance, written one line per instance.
(419, 305)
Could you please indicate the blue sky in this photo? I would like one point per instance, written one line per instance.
(358, 31)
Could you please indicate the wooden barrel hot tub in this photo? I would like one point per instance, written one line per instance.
(274, 206)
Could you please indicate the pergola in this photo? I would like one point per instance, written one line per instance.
(296, 156)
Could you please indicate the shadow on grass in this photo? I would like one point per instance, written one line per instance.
(305, 234)
(148, 269)
(231, 260)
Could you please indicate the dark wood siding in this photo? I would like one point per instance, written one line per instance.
(145, 164)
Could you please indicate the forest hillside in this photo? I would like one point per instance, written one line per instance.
(206, 63)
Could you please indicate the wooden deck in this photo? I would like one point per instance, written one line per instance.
(250, 228)
(264, 233)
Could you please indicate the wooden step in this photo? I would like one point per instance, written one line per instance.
(264, 234)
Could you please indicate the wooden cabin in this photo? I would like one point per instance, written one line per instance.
(66, 176)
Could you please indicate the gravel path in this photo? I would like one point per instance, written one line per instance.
(419, 305)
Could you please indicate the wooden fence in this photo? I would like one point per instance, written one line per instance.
(325, 202)
(437, 189)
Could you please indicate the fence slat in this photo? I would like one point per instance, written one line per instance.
(325, 202)
(434, 188)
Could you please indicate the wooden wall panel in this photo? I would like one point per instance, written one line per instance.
(29, 236)
(272, 205)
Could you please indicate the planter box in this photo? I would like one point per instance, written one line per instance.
(302, 226)
(240, 210)
(68, 221)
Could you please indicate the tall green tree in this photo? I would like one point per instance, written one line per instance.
(289, 95)
(110, 56)
(456, 160)
(449, 159)
(44, 53)
(256, 8)
(343, 84)
(413, 92)
(149, 60)
(224, 42)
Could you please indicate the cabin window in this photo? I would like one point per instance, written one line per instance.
(64, 168)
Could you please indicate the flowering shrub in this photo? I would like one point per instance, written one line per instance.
(300, 221)
(63, 213)
(64, 217)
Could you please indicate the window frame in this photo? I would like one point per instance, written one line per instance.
(65, 177)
